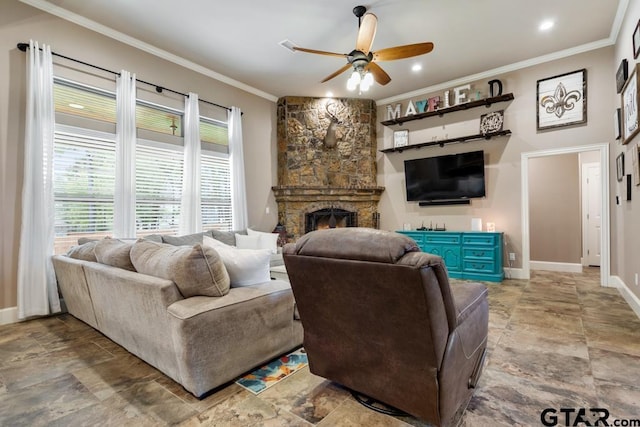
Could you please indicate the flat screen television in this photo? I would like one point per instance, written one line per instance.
(451, 177)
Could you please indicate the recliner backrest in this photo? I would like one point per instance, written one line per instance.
(369, 301)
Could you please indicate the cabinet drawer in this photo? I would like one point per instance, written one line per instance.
(418, 237)
(444, 238)
(488, 239)
(478, 266)
(479, 253)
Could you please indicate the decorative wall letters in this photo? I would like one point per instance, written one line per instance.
(460, 95)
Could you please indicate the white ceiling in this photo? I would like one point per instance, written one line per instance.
(239, 39)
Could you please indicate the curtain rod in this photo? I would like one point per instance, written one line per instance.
(24, 46)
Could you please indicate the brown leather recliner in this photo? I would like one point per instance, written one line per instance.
(381, 318)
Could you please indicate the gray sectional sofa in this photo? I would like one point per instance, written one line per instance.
(182, 316)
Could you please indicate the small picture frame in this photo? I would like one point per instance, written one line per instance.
(491, 122)
(620, 167)
(635, 164)
(617, 123)
(636, 40)
(562, 100)
(622, 75)
(400, 138)
(629, 113)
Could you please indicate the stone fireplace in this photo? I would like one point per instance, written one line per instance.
(326, 164)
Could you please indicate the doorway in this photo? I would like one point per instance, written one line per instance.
(591, 213)
(604, 243)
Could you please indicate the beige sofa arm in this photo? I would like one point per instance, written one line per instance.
(216, 339)
(131, 309)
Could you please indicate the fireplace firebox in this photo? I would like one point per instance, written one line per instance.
(330, 218)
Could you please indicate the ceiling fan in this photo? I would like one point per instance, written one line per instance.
(363, 60)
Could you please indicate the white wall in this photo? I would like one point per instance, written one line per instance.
(625, 222)
(502, 155)
(19, 23)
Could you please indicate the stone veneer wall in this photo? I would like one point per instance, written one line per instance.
(312, 175)
(302, 126)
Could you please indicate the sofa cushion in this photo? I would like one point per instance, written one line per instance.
(115, 253)
(226, 237)
(246, 267)
(196, 270)
(154, 238)
(266, 240)
(186, 240)
(85, 252)
(83, 240)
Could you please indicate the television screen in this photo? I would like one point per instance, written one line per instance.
(451, 177)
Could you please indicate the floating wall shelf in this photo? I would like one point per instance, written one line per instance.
(442, 111)
(443, 142)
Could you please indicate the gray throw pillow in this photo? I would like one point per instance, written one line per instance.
(227, 237)
(186, 240)
(85, 252)
(83, 240)
(115, 253)
(196, 270)
(154, 238)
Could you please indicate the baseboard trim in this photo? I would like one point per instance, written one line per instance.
(8, 315)
(514, 273)
(565, 267)
(631, 298)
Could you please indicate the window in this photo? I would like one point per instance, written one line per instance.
(84, 101)
(214, 132)
(216, 191)
(84, 166)
(84, 183)
(158, 187)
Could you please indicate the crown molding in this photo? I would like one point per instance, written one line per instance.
(611, 40)
(146, 47)
(500, 70)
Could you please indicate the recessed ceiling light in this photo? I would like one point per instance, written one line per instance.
(329, 94)
(416, 67)
(546, 25)
(77, 106)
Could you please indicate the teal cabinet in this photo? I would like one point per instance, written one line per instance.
(473, 255)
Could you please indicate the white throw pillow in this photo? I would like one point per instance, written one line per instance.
(267, 240)
(247, 242)
(246, 267)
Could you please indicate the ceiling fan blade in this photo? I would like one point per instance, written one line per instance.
(340, 71)
(366, 33)
(401, 52)
(319, 52)
(379, 75)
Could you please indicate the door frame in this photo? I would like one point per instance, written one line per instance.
(605, 242)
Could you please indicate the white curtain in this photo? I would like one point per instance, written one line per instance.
(37, 289)
(124, 206)
(239, 219)
(190, 210)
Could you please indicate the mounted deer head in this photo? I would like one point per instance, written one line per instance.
(330, 138)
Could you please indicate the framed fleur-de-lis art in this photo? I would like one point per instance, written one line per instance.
(630, 100)
(562, 100)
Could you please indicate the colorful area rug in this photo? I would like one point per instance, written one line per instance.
(269, 375)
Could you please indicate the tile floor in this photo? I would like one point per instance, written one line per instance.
(557, 340)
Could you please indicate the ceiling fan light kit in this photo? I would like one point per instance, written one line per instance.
(363, 61)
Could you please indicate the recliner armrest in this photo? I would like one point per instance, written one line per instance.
(467, 297)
